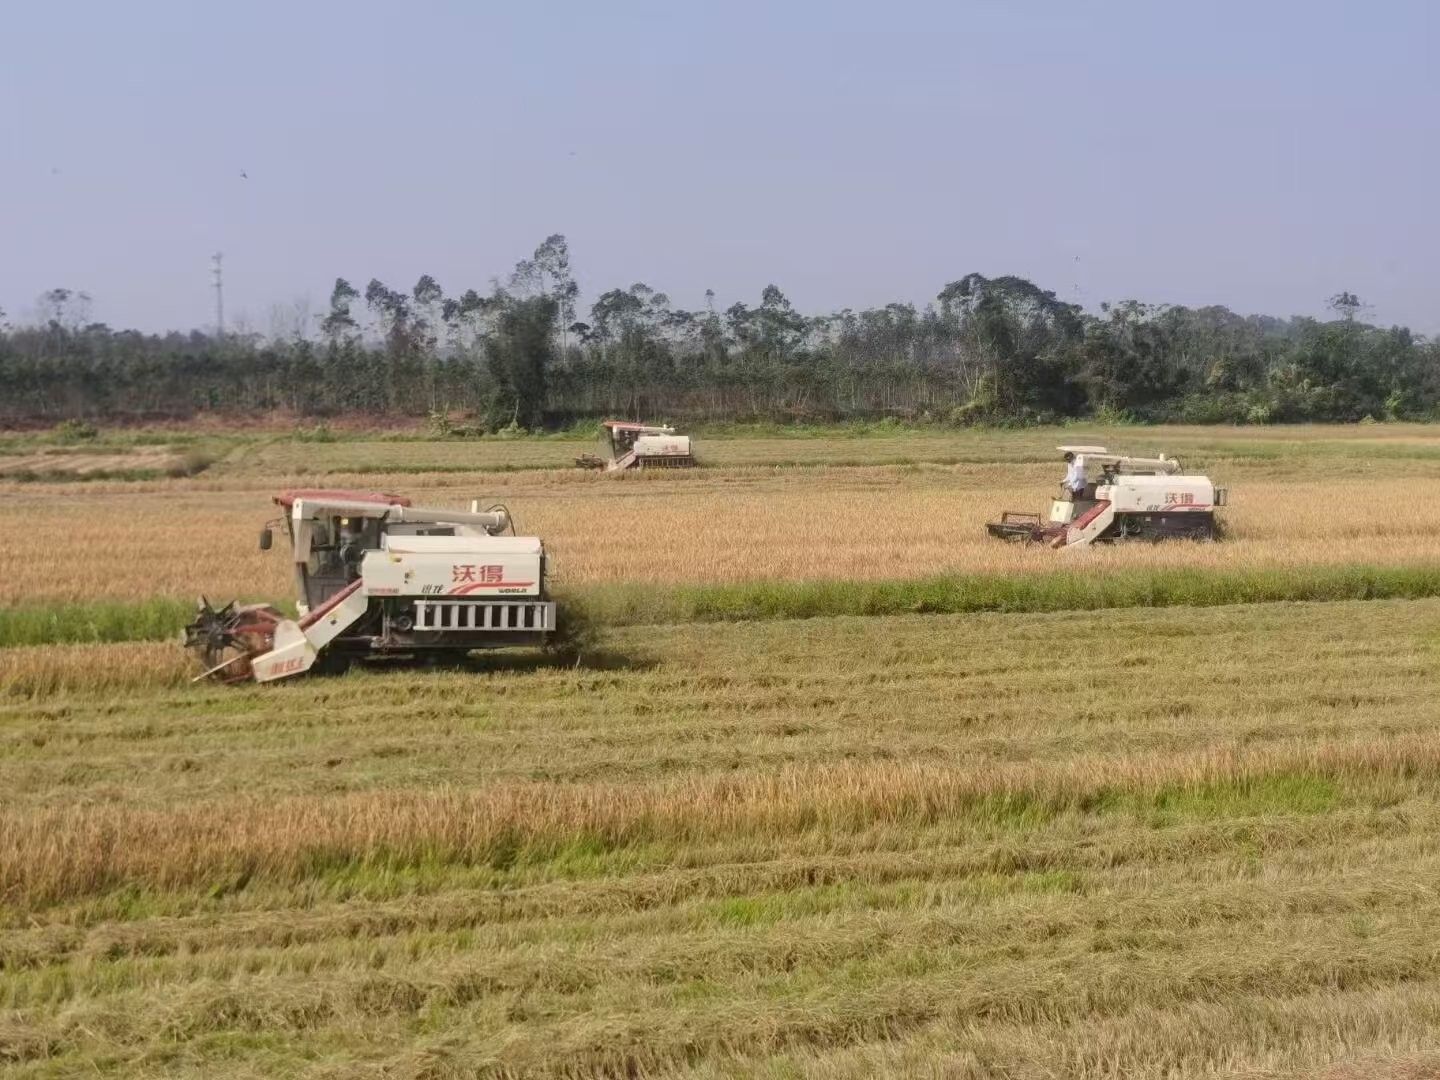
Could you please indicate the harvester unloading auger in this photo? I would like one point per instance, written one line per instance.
(376, 576)
(1123, 498)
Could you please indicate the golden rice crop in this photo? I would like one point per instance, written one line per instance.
(50, 669)
(705, 527)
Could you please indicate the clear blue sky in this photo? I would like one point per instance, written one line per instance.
(1262, 155)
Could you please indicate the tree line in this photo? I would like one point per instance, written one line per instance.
(521, 354)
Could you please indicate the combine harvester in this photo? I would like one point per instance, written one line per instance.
(375, 576)
(639, 446)
(1125, 498)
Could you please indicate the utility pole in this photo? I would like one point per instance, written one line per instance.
(219, 296)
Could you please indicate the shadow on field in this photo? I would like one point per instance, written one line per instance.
(503, 662)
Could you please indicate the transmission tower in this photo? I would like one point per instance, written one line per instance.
(219, 295)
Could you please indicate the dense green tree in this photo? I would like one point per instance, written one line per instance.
(520, 352)
(993, 350)
(338, 323)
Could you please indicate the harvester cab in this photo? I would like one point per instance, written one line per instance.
(628, 445)
(1121, 498)
(377, 576)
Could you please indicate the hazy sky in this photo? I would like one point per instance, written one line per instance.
(1262, 155)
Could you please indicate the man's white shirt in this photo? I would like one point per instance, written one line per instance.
(1075, 476)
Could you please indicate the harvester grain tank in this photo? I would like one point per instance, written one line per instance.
(376, 576)
(1123, 498)
(630, 445)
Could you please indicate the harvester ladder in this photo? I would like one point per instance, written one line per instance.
(1091, 526)
(624, 461)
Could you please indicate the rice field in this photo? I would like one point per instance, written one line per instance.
(1172, 842)
(177, 539)
(1146, 843)
(869, 445)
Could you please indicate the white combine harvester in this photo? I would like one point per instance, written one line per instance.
(639, 446)
(376, 576)
(1125, 498)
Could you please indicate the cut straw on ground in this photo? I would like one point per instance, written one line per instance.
(74, 852)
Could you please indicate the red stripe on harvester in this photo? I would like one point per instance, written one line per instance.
(329, 605)
(464, 589)
(1090, 515)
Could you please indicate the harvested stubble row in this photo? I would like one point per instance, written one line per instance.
(75, 852)
(1146, 843)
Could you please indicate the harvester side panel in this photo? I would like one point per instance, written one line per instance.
(484, 568)
(1159, 494)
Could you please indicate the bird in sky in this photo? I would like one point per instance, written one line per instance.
(244, 175)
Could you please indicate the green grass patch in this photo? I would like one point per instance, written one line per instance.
(101, 621)
(649, 604)
(192, 462)
(422, 467)
(1068, 590)
(112, 439)
(767, 909)
(95, 623)
(129, 476)
(1250, 796)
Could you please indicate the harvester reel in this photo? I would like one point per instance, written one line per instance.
(225, 641)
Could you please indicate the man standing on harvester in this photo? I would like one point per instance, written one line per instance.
(1132, 498)
(1074, 477)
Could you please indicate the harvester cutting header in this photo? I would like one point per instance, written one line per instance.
(1107, 497)
(375, 575)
